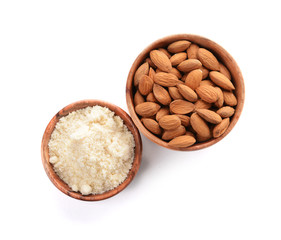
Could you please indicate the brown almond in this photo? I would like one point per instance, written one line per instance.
(165, 51)
(224, 71)
(187, 93)
(229, 98)
(184, 77)
(162, 112)
(145, 85)
(147, 109)
(209, 116)
(207, 93)
(161, 94)
(208, 59)
(176, 72)
(178, 46)
(219, 102)
(170, 134)
(174, 93)
(221, 128)
(151, 125)
(181, 107)
(138, 98)
(182, 141)
(226, 112)
(200, 138)
(184, 119)
(221, 80)
(142, 70)
(193, 79)
(169, 122)
(151, 73)
(160, 60)
(199, 125)
(207, 82)
(189, 134)
(201, 104)
(177, 58)
(205, 72)
(151, 98)
(166, 79)
(151, 64)
(189, 65)
(192, 51)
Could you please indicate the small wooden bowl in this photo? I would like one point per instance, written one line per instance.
(60, 184)
(222, 55)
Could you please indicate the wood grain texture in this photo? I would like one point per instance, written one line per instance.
(60, 184)
(222, 55)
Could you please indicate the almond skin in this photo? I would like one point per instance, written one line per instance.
(224, 71)
(174, 93)
(184, 119)
(151, 125)
(145, 85)
(207, 93)
(229, 98)
(221, 128)
(178, 46)
(151, 98)
(170, 134)
(161, 60)
(208, 59)
(221, 80)
(189, 65)
(187, 93)
(165, 51)
(199, 125)
(161, 94)
(192, 51)
(147, 109)
(181, 107)
(142, 70)
(138, 98)
(162, 112)
(151, 73)
(226, 112)
(166, 79)
(207, 82)
(219, 102)
(205, 72)
(201, 104)
(176, 72)
(193, 79)
(169, 122)
(177, 58)
(182, 141)
(209, 116)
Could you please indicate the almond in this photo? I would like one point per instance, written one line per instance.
(181, 107)
(165, 51)
(166, 79)
(226, 112)
(207, 93)
(151, 125)
(138, 98)
(224, 71)
(151, 64)
(160, 60)
(178, 46)
(203, 139)
(219, 102)
(162, 112)
(169, 122)
(193, 79)
(182, 141)
(205, 72)
(176, 72)
(207, 82)
(221, 80)
(189, 134)
(170, 134)
(220, 128)
(229, 98)
(209, 116)
(178, 58)
(184, 119)
(151, 73)
(187, 93)
(174, 93)
(192, 51)
(147, 109)
(142, 70)
(161, 94)
(145, 85)
(199, 125)
(189, 65)
(200, 104)
(208, 59)
(151, 98)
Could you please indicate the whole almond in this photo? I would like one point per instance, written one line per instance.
(221, 128)
(151, 64)
(165, 51)
(169, 122)
(138, 98)
(174, 93)
(205, 72)
(187, 93)
(229, 98)
(181, 107)
(160, 60)
(170, 134)
(184, 119)
(193, 79)
(200, 104)
(221, 80)
(151, 73)
(145, 85)
(189, 65)
(142, 70)
(151, 98)
(207, 93)
(224, 71)
(178, 58)
(162, 112)
(176, 72)
(178, 46)
(188, 133)
(219, 102)
(209, 116)
(192, 51)
(208, 59)
(182, 141)
(161, 94)
(200, 138)
(226, 112)
(147, 109)
(166, 79)
(151, 125)
(207, 82)
(199, 125)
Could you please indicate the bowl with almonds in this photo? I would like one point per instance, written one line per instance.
(185, 92)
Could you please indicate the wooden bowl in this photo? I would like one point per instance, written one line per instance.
(60, 184)
(222, 56)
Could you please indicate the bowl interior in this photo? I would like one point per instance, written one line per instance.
(61, 185)
(222, 55)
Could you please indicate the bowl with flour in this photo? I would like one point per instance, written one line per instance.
(91, 150)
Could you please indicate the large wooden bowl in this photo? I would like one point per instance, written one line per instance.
(222, 56)
(60, 184)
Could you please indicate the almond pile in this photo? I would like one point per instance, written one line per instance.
(183, 94)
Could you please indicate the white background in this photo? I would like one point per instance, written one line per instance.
(53, 53)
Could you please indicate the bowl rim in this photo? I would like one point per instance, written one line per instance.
(226, 59)
(59, 183)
